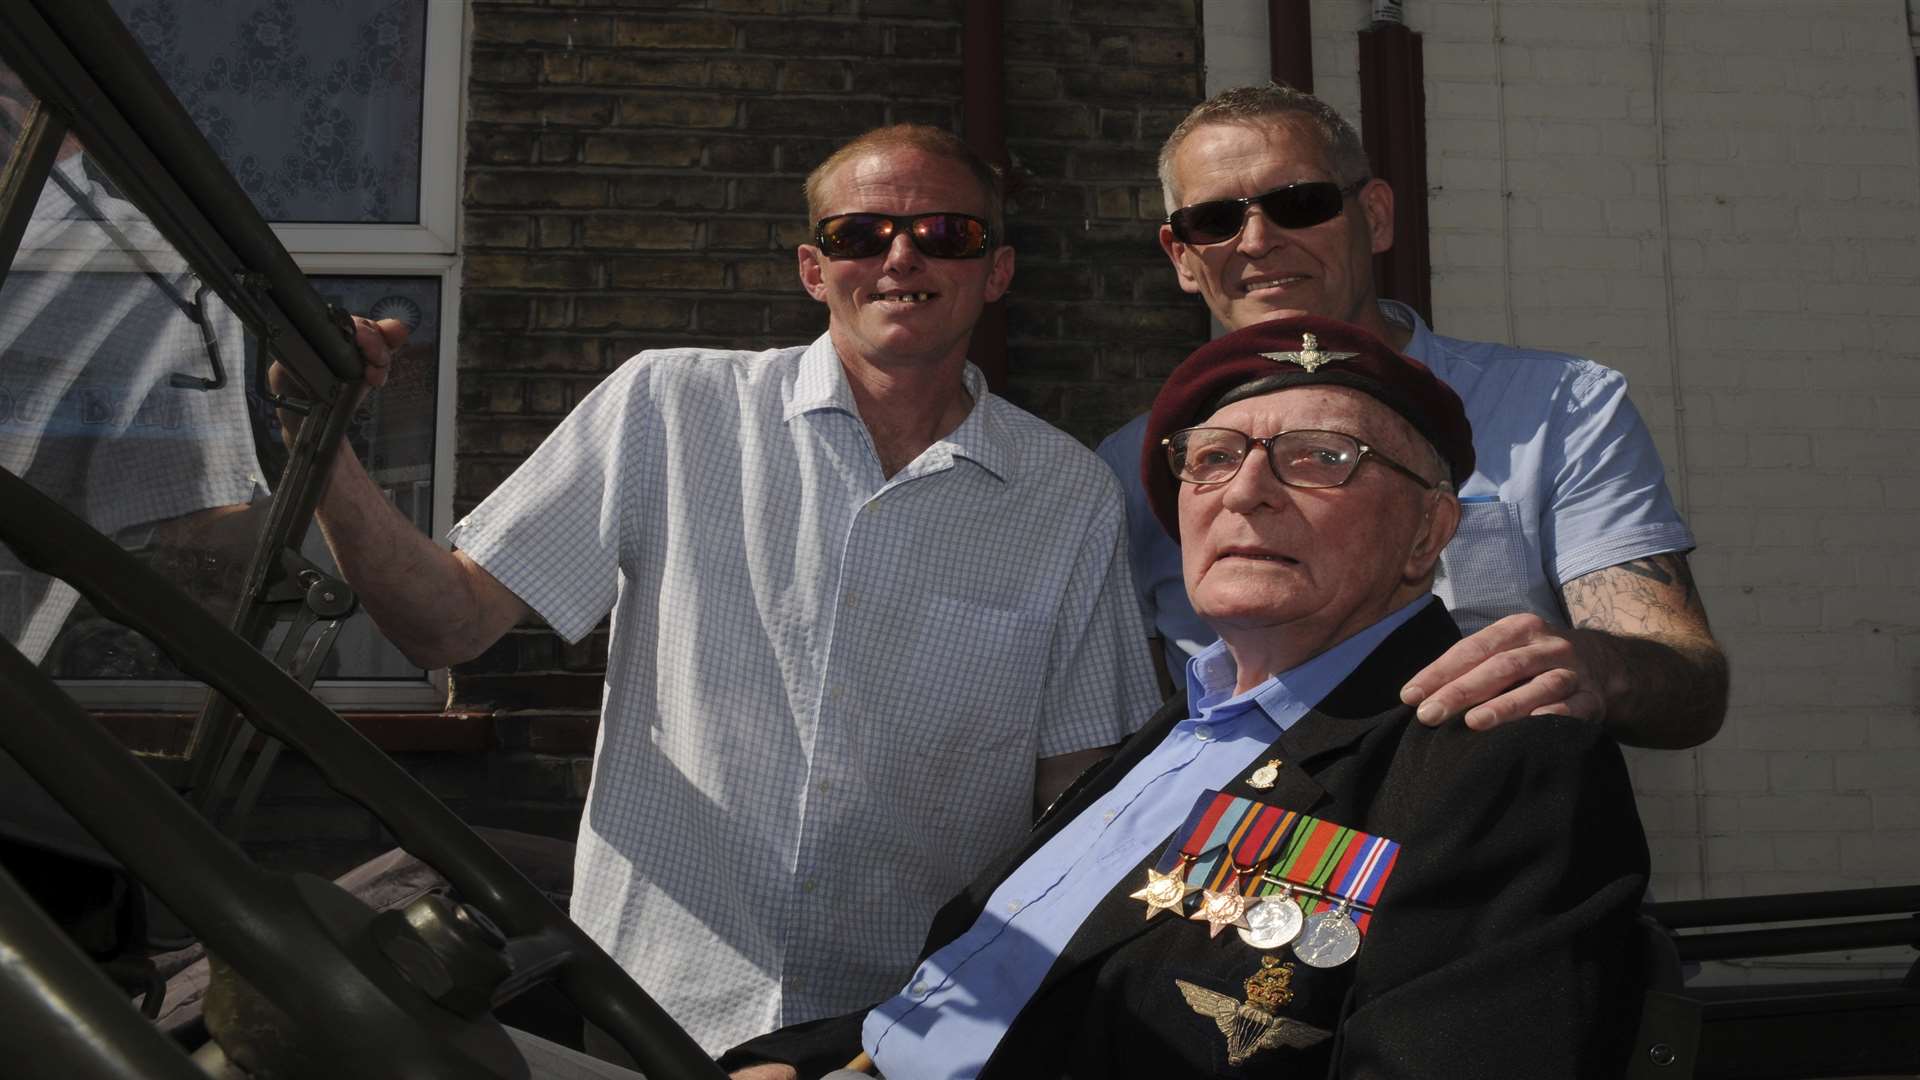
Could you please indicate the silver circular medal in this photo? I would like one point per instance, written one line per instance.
(1328, 940)
(1271, 923)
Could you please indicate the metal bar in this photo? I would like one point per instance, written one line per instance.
(983, 105)
(1290, 42)
(52, 540)
(303, 670)
(166, 845)
(1785, 907)
(1393, 115)
(287, 522)
(26, 173)
(60, 1018)
(273, 930)
(1794, 940)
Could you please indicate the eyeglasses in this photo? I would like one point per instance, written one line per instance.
(1296, 206)
(944, 235)
(1302, 459)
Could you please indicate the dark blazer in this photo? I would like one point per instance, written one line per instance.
(1502, 945)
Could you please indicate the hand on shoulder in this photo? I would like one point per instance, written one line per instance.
(1519, 666)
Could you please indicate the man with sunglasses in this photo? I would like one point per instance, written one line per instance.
(867, 616)
(1569, 572)
(1220, 899)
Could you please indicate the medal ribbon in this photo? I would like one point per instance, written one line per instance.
(1325, 867)
(1326, 862)
(1317, 861)
(1363, 872)
(1221, 829)
(1199, 833)
(1253, 844)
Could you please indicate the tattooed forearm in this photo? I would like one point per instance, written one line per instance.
(1643, 636)
(1645, 596)
(1665, 569)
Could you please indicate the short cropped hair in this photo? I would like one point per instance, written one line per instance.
(1270, 102)
(926, 139)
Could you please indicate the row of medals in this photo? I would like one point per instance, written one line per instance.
(1324, 940)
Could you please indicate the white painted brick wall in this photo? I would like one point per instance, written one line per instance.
(1792, 225)
(1792, 188)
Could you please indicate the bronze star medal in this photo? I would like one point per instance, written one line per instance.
(1220, 909)
(1166, 892)
(1252, 1026)
(1223, 908)
(1310, 355)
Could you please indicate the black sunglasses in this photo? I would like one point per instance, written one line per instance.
(1296, 206)
(943, 235)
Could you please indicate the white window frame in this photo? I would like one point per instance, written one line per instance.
(393, 695)
(429, 248)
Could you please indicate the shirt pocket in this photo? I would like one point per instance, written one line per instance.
(1485, 572)
(982, 669)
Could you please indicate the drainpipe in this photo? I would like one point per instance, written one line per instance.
(1393, 121)
(1290, 42)
(982, 104)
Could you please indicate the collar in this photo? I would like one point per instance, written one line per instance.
(1285, 697)
(820, 384)
(1421, 346)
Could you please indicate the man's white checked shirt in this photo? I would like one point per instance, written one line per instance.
(826, 689)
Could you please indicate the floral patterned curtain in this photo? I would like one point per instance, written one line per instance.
(314, 105)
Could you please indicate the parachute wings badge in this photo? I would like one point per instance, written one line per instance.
(1252, 1026)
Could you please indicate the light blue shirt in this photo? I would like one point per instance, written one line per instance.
(1567, 481)
(962, 999)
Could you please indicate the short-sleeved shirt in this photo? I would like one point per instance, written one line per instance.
(826, 688)
(1567, 481)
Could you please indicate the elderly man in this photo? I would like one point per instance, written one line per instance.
(1362, 895)
(866, 615)
(1570, 569)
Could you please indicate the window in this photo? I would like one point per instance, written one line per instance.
(340, 120)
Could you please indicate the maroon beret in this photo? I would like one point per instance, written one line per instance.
(1303, 351)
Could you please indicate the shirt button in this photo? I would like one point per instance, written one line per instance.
(809, 885)
(1109, 815)
(1203, 733)
(826, 786)
(848, 600)
(919, 988)
(1013, 906)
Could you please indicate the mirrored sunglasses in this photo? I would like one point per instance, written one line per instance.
(943, 235)
(1296, 206)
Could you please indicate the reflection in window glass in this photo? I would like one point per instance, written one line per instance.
(314, 105)
(122, 396)
(15, 102)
